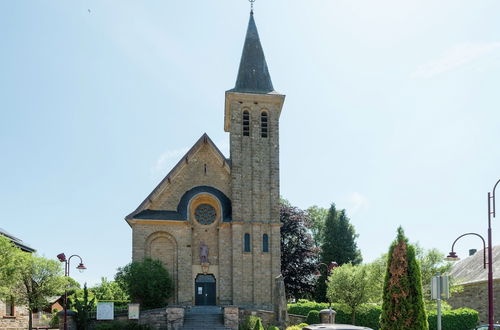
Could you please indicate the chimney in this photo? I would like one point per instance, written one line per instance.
(472, 252)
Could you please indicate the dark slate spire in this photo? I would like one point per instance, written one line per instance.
(253, 75)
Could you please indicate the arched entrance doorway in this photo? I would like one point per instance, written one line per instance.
(205, 292)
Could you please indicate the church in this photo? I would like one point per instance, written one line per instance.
(214, 222)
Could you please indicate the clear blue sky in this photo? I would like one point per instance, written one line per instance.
(392, 112)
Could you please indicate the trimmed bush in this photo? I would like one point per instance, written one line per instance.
(297, 327)
(368, 316)
(258, 325)
(457, 319)
(250, 322)
(303, 307)
(313, 317)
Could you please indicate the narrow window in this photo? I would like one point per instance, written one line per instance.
(263, 124)
(246, 123)
(247, 243)
(9, 307)
(265, 243)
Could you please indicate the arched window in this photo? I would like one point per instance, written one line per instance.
(265, 243)
(246, 247)
(246, 123)
(263, 124)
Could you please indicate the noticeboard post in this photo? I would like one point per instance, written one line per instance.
(133, 311)
(440, 289)
(105, 311)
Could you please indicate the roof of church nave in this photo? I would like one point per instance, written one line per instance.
(202, 141)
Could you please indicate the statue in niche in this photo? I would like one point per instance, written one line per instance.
(203, 253)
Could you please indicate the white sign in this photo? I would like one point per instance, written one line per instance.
(105, 311)
(440, 287)
(133, 311)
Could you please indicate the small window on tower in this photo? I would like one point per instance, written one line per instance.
(263, 124)
(265, 243)
(246, 123)
(246, 246)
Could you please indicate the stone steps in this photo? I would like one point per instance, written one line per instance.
(204, 317)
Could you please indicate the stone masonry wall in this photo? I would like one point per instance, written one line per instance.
(475, 296)
(193, 174)
(18, 322)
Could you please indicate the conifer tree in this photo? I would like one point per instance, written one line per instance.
(403, 303)
(339, 245)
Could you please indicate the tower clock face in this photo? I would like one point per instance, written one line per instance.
(205, 214)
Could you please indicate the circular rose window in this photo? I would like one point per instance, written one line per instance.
(205, 214)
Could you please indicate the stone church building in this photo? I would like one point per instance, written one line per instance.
(214, 222)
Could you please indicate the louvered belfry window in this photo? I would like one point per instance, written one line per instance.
(246, 123)
(263, 124)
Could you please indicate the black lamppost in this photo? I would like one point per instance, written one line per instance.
(81, 267)
(328, 269)
(453, 255)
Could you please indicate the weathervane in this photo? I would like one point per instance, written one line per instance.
(251, 5)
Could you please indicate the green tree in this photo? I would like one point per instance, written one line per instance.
(376, 273)
(317, 215)
(348, 285)
(339, 245)
(109, 290)
(403, 303)
(38, 279)
(83, 306)
(146, 282)
(431, 261)
(11, 258)
(298, 254)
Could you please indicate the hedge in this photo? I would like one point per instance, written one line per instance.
(457, 319)
(313, 317)
(369, 315)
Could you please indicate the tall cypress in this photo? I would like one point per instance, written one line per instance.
(403, 303)
(339, 245)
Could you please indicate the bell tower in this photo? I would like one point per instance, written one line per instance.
(252, 112)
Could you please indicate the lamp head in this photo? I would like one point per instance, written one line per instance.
(332, 266)
(61, 257)
(81, 267)
(452, 256)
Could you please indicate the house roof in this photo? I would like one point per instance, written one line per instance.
(23, 246)
(471, 269)
(253, 74)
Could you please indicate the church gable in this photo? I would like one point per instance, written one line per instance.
(203, 169)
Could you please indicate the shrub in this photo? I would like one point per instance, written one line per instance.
(258, 325)
(458, 319)
(83, 308)
(273, 327)
(54, 321)
(313, 317)
(249, 323)
(367, 316)
(303, 307)
(121, 325)
(146, 282)
(297, 327)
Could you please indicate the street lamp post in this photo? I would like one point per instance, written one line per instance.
(453, 255)
(491, 212)
(81, 267)
(328, 269)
